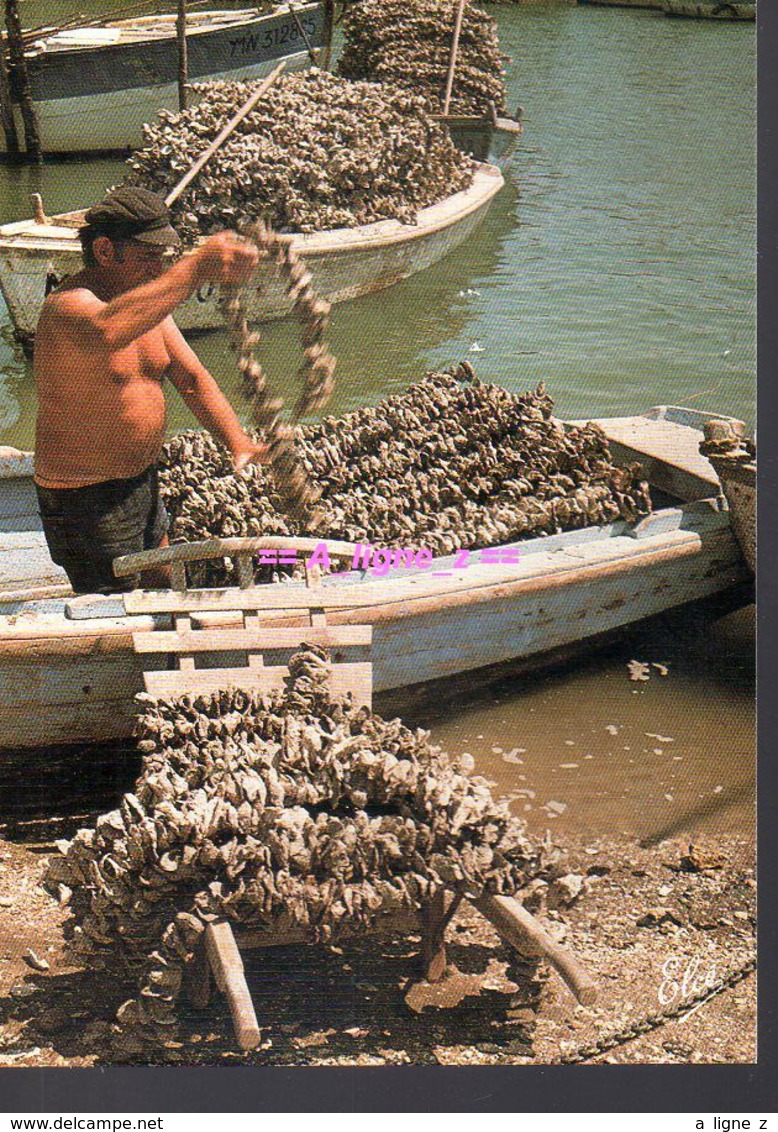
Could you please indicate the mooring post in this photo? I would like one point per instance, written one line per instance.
(183, 57)
(325, 55)
(18, 64)
(6, 106)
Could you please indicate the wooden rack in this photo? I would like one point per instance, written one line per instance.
(220, 951)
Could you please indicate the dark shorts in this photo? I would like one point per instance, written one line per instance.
(87, 527)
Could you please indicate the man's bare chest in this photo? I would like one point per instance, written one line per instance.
(146, 359)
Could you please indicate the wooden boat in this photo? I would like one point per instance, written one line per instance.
(94, 87)
(344, 262)
(486, 138)
(710, 9)
(696, 9)
(68, 672)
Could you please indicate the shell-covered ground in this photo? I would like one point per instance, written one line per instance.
(345, 1004)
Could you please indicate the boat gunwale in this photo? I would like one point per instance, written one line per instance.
(407, 597)
(487, 182)
(39, 52)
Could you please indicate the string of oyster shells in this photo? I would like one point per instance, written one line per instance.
(316, 152)
(296, 493)
(407, 43)
(293, 809)
(451, 463)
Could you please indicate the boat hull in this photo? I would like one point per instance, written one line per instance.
(66, 681)
(738, 482)
(344, 263)
(72, 678)
(94, 99)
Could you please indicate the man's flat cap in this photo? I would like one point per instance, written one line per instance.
(132, 213)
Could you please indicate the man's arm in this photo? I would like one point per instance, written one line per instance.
(224, 258)
(203, 396)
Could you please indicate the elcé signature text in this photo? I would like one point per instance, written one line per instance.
(691, 983)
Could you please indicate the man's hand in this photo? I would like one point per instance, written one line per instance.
(250, 453)
(226, 258)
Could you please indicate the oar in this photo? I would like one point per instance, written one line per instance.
(205, 157)
(453, 60)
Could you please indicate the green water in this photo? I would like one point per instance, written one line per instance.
(618, 265)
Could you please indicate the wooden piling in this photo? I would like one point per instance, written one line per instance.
(6, 107)
(18, 65)
(325, 55)
(183, 56)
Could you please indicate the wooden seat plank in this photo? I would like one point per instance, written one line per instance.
(226, 640)
(669, 453)
(352, 677)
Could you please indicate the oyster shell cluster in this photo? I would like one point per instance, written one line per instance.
(453, 462)
(316, 152)
(289, 810)
(407, 43)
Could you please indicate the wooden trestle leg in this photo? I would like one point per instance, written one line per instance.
(197, 978)
(227, 966)
(523, 932)
(433, 946)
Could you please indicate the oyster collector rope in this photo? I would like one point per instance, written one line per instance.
(296, 491)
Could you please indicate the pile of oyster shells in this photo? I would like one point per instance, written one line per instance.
(316, 152)
(407, 43)
(291, 810)
(451, 463)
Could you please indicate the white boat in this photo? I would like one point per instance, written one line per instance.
(68, 672)
(344, 262)
(94, 87)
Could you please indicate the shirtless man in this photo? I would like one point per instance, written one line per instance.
(105, 342)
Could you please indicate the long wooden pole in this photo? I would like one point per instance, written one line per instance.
(183, 57)
(453, 58)
(311, 53)
(205, 157)
(18, 62)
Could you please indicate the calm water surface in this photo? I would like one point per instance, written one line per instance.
(618, 265)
